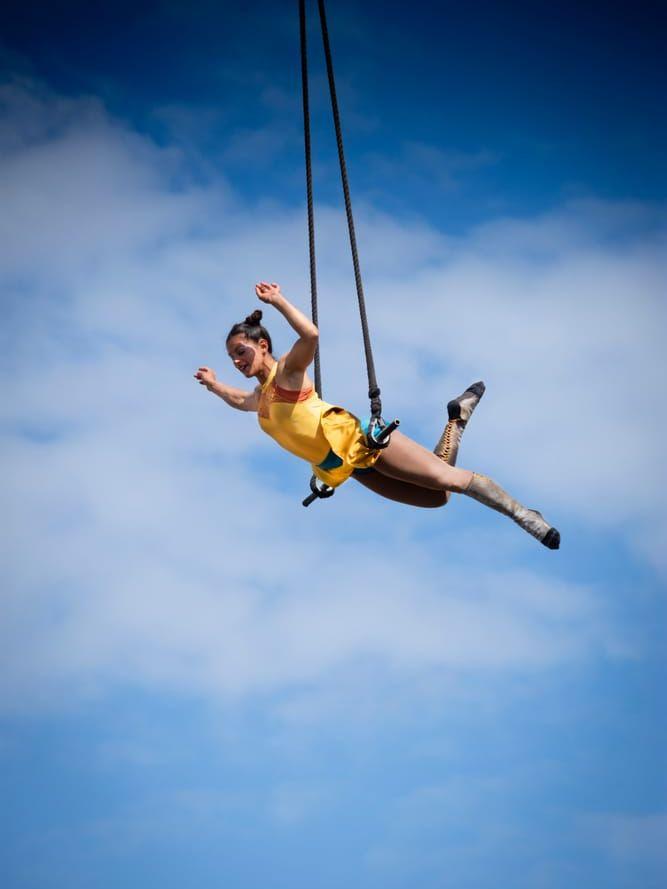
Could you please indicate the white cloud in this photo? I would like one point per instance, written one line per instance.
(147, 545)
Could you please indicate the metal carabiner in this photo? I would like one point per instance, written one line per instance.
(379, 432)
(318, 491)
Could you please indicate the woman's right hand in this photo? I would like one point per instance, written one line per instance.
(206, 376)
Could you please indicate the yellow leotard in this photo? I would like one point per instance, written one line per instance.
(321, 433)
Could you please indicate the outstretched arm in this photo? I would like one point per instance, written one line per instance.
(300, 356)
(238, 398)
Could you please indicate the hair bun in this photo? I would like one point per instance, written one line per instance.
(254, 318)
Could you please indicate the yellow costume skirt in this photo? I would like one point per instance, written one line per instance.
(349, 450)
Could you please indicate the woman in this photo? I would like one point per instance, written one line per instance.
(333, 441)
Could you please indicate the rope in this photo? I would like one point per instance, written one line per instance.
(373, 388)
(378, 435)
(309, 187)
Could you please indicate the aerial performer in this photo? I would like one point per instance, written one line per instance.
(334, 441)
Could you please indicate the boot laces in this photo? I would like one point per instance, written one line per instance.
(448, 442)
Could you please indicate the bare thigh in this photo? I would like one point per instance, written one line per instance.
(401, 492)
(407, 461)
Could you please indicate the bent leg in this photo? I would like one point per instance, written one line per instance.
(405, 460)
(401, 492)
(459, 411)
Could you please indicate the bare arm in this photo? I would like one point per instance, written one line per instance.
(301, 355)
(241, 399)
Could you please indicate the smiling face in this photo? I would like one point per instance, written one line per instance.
(248, 356)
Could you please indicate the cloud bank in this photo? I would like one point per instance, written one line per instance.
(155, 537)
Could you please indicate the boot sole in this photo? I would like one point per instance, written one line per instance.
(454, 406)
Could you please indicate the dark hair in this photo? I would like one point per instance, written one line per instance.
(252, 328)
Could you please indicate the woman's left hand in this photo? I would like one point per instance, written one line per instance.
(268, 293)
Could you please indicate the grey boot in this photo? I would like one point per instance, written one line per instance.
(490, 494)
(459, 410)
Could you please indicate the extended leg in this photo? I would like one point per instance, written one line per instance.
(486, 491)
(408, 461)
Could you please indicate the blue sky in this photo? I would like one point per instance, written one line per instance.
(202, 683)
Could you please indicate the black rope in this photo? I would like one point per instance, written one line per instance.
(373, 388)
(309, 187)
